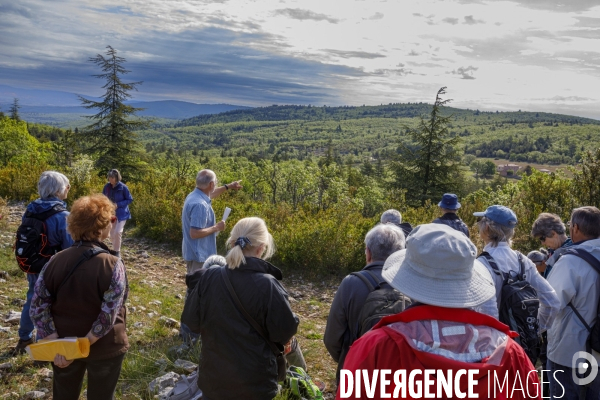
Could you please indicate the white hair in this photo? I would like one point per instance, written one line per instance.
(391, 216)
(215, 259)
(204, 178)
(255, 230)
(384, 240)
(496, 233)
(52, 184)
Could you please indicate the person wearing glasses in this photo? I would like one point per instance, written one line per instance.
(53, 188)
(119, 194)
(551, 232)
(578, 287)
(79, 295)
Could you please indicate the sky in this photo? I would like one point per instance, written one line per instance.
(534, 55)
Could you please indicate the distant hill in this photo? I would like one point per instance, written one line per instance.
(374, 133)
(36, 97)
(408, 110)
(64, 109)
(171, 109)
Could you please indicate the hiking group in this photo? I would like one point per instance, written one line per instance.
(426, 300)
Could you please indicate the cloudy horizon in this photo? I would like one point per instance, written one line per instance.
(534, 55)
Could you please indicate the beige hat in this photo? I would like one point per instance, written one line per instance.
(439, 267)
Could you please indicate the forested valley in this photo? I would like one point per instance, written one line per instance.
(321, 176)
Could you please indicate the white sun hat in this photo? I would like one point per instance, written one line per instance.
(439, 267)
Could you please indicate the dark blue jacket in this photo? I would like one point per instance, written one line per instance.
(121, 197)
(453, 221)
(56, 225)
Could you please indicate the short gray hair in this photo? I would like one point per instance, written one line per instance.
(205, 177)
(391, 216)
(384, 240)
(587, 220)
(547, 223)
(215, 260)
(496, 233)
(52, 184)
(538, 256)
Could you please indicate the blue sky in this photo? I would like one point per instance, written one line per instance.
(536, 55)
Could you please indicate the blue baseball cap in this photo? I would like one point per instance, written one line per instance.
(449, 202)
(499, 214)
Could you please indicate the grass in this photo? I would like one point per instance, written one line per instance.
(157, 289)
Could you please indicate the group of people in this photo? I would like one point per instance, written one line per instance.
(437, 267)
(82, 289)
(451, 297)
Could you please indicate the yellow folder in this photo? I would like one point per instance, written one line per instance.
(70, 348)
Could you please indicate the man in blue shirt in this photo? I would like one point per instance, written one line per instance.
(200, 228)
(198, 220)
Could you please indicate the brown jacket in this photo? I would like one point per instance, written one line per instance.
(78, 302)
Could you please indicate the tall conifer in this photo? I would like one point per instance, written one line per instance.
(429, 167)
(111, 137)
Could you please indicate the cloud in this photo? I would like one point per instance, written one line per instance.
(569, 98)
(553, 5)
(120, 10)
(376, 16)
(392, 71)
(452, 21)
(427, 65)
(354, 54)
(304, 15)
(219, 66)
(465, 72)
(469, 20)
(588, 22)
(15, 9)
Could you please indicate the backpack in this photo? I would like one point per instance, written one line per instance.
(594, 331)
(383, 300)
(32, 249)
(519, 305)
(301, 385)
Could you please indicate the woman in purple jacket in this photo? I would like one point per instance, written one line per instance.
(119, 194)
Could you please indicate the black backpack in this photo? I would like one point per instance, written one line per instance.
(594, 338)
(32, 248)
(518, 308)
(382, 300)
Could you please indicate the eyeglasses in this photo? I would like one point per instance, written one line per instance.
(542, 239)
(113, 219)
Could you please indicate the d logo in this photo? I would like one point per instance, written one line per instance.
(582, 362)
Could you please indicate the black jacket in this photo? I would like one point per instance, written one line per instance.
(453, 221)
(235, 361)
(342, 324)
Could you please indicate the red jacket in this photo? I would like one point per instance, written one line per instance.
(447, 341)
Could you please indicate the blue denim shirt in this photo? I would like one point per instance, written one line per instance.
(56, 225)
(121, 197)
(197, 213)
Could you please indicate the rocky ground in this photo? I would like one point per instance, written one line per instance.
(156, 273)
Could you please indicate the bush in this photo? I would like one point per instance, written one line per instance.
(18, 180)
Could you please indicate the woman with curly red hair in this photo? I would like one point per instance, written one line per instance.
(81, 292)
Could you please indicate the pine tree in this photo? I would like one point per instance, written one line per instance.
(14, 110)
(429, 166)
(111, 137)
